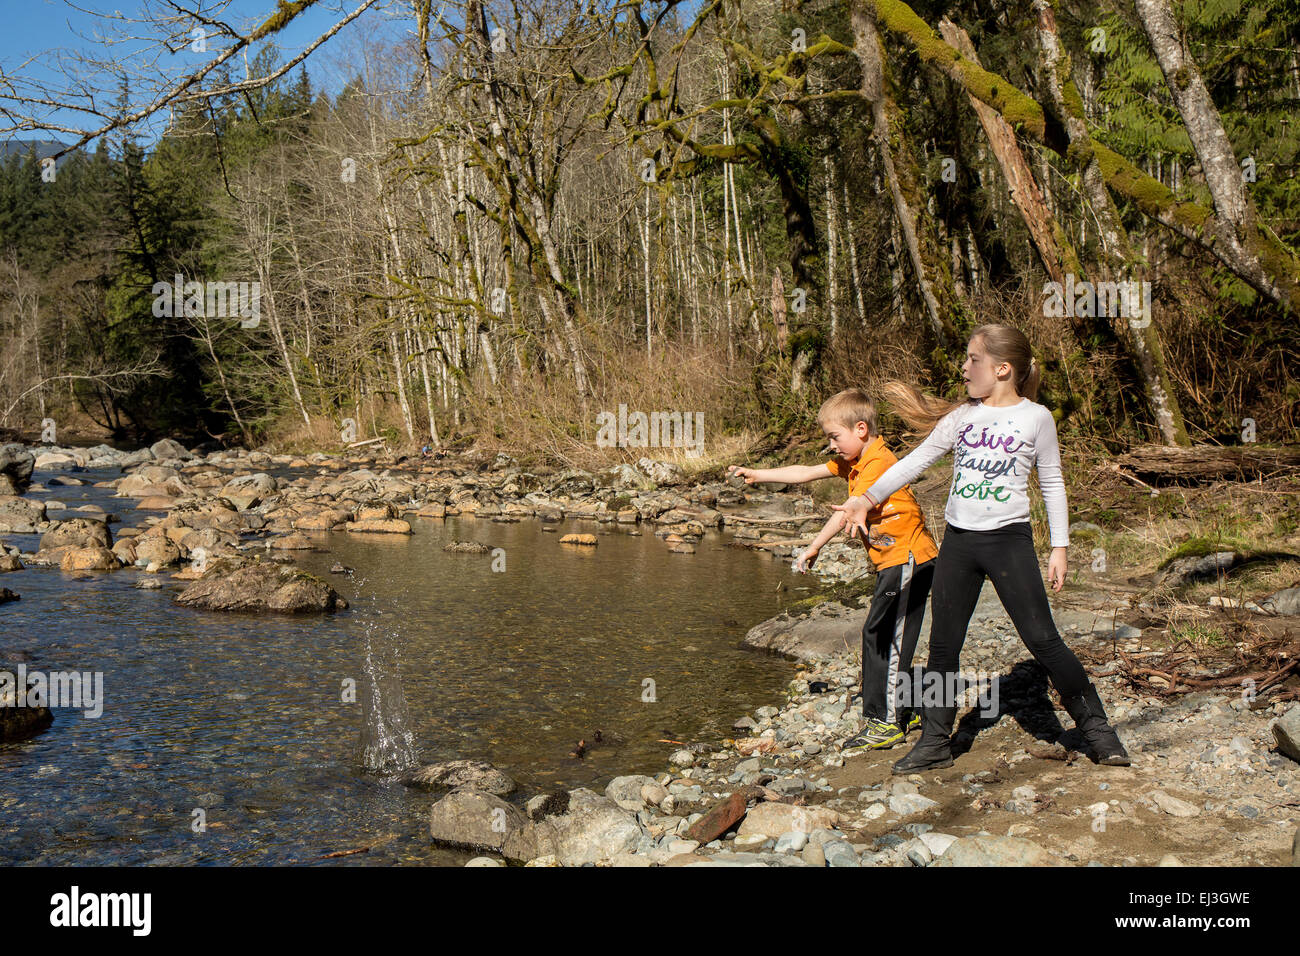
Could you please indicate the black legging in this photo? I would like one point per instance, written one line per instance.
(1007, 556)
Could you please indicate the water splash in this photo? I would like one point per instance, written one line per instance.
(387, 743)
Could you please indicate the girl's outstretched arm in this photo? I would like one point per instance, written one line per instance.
(907, 469)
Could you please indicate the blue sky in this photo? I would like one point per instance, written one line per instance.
(35, 32)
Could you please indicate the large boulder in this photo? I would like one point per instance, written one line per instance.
(152, 481)
(51, 460)
(20, 515)
(473, 819)
(93, 558)
(454, 774)
(16, 464)
(77, 532)
(259, 485)
(260, 587)
(813, 636)
(592, 828)
(167, 448)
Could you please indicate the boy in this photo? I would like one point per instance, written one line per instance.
(898, 545)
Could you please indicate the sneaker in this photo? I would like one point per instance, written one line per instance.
(913, 724)
(876, 735)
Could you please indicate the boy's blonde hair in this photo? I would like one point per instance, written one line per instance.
(849, 407)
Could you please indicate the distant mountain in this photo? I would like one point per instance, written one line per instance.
(42, 148)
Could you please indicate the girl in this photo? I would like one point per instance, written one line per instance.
(996, 437)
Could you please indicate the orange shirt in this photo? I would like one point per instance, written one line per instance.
(895, 528)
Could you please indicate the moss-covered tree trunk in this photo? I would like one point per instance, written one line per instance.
(943, 306)
(1119, 262)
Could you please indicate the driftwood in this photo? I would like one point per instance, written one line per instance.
(1171, 464)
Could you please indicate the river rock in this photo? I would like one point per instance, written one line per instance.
(454, 774)
(93, 558)
(626, 791)
(820, 634)
(588, 540)
(10, 562)
(169, 449)
(378, 526)
(466, 547)
(473, 819)
(905, 804)
(770, 820)
(723, 815)
(1173, 806)
(1287, 733)
(661, 472)
(593, 828)
(624, 477)
(259, 485)
(260, 587)
(154, 549)
(1286, 601)
(20, 515)
(995, 851)
(1199, 567)
(17, 723)
(6, 596)
(322, 520)
(77, 532)
(16, 465)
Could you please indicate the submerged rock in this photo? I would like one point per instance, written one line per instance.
(466, 547)
(453, 774)
(260, 587)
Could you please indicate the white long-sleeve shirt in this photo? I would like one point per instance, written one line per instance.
(993, 451)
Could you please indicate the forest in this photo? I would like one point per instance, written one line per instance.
(524, 214)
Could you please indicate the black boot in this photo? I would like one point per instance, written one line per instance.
(934, 750)
(1090, 717)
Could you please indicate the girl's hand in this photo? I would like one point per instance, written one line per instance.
(806, 560)
(855, 511)
(746, 473)
(1056, 569)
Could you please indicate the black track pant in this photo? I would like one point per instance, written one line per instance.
(1007, 556)
(890, 633)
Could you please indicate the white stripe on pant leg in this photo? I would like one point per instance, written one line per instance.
(896, 644)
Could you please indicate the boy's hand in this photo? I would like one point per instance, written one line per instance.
(806, 560)
(1056, 569)
(746, 473)
(855, 510)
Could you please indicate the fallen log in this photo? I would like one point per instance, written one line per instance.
(1199, 464)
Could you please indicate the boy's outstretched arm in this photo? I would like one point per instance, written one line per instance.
(834, 524)
(789, 475)
(854, 511)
